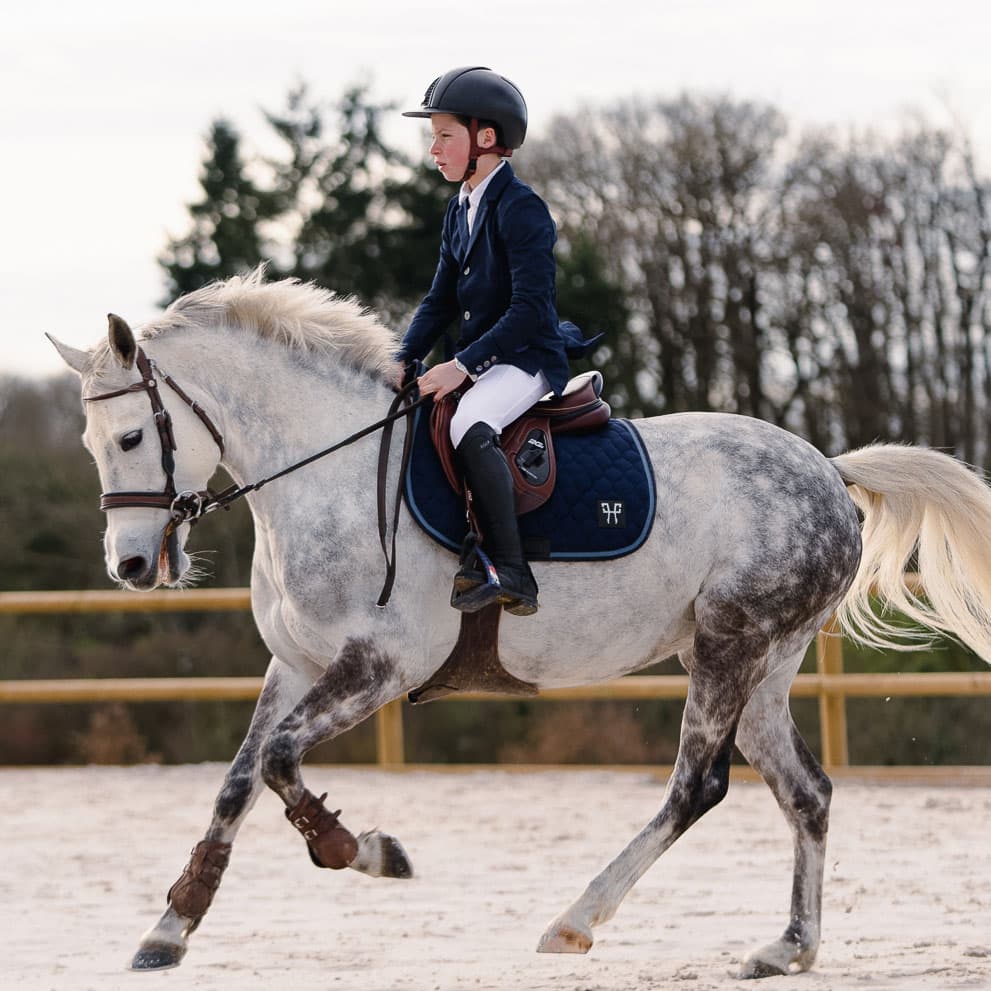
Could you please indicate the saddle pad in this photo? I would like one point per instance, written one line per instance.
(602, 506)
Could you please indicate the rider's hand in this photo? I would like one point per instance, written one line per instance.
(441, 380)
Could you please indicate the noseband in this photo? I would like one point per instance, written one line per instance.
(182, 506)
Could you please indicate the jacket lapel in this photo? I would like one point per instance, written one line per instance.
(495, 189)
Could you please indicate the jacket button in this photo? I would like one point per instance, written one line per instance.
(467, 314)
(467, 270)
(493, 359)
(478, 368)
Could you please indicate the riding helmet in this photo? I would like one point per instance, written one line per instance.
(479, 93)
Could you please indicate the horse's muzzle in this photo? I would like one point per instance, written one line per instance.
(137, 574)
(142, 573)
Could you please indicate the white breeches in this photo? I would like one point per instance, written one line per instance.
(501, 395)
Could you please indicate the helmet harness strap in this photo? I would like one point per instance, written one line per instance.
(474, 151)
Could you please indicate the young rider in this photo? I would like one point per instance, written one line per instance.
(495, 278)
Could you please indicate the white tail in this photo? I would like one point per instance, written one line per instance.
(917, 500)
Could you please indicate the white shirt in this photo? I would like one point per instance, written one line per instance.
(474, 196)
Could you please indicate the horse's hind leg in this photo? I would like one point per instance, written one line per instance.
(728, 650)
(189, 898)
(767, 737)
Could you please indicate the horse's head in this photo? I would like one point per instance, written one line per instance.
(155, 450)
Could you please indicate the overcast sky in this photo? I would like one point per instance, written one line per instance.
(104, 105)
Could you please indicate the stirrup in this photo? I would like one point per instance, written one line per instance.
(476, 587)
(480, 586)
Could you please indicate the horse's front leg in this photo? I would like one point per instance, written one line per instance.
(359, 681)
(164, 945)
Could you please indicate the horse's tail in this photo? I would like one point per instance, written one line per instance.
(922, 502)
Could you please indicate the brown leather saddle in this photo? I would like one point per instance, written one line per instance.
(528, 442)
(474, 664)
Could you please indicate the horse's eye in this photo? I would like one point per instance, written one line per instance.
(130, 440)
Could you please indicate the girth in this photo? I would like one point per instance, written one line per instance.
(528, 441)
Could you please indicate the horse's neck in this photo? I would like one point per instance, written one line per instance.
(275, 406)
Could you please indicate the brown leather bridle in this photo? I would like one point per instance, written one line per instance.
(184, 506)
(189, 506)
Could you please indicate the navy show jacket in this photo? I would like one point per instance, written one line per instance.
(499, 288)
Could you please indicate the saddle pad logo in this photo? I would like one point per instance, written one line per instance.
(612, 514)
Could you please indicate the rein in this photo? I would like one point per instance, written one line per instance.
(189, 506)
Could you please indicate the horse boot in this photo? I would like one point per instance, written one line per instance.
(497, 571)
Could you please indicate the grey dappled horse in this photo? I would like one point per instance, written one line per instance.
(756, 542)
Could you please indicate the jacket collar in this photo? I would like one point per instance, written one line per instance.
(496, 187)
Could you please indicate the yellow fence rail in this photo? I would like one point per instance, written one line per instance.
(830, 685)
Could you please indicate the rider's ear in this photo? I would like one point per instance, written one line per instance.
(121, 340)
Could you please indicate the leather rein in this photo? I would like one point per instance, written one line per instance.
(190, 506)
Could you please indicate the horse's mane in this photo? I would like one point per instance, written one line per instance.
(297, 314)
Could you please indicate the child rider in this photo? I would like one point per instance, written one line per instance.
(495, 278)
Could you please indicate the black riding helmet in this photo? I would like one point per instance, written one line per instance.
(478, 94)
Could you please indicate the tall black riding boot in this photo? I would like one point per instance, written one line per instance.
(491, 483)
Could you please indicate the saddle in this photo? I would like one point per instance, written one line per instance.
(528, 442)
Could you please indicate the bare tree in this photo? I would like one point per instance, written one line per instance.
(843, 292)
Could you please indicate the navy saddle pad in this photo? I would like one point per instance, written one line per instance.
(602, 505)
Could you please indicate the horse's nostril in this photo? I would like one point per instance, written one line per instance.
(131, 567)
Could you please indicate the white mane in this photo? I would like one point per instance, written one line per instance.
(297, 314)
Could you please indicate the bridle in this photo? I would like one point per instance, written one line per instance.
(183, 507)
(189, 506)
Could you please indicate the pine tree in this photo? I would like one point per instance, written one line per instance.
(225, 238)
(588, 297)
(338, 206)
(359, 207)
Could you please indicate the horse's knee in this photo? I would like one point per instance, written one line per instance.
(279, 761)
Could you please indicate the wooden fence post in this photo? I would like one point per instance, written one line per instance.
(832, 705)
(389, 744)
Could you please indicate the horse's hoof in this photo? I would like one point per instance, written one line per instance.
(755, 969)
(395, 861)
(158, 956)
(381, 855)
(779, 959)
(565, 938)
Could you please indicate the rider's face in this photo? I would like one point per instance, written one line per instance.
(450, 145)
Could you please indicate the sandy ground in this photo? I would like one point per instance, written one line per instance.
(88, 855)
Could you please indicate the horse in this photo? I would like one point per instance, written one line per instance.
(757, 539)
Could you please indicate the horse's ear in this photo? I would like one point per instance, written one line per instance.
(121, 340)
(77, 360)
